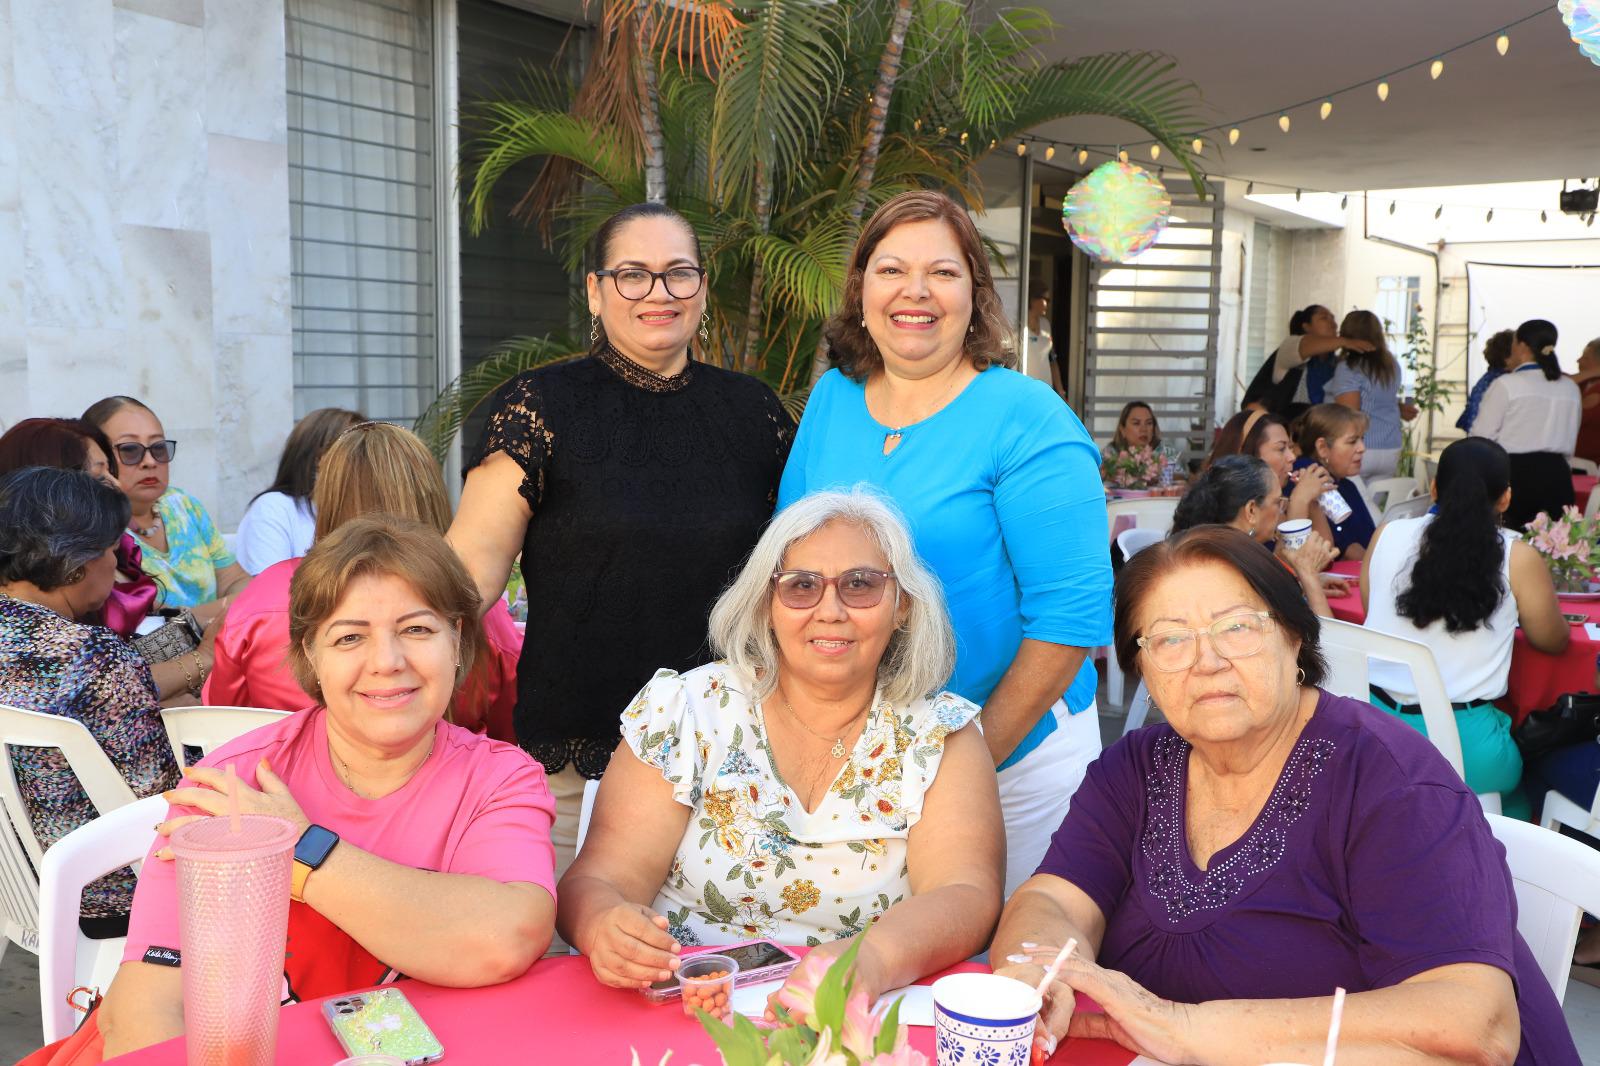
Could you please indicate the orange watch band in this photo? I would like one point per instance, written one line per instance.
(297, 882)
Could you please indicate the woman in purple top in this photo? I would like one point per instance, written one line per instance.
(1224, 873)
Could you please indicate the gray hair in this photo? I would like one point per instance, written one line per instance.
(54, 521)
(921, 653)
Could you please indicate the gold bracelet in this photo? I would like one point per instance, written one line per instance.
(200, 671)
(188, 678)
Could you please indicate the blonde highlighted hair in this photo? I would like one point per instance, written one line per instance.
(377, 468)
(921, 653)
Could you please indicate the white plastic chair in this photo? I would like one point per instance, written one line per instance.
(1130, 542)
(1592, 506)
(1387, 492)
(1557, 879)
(67, 958)
(20, 853)
(207, 728)
(1429, 470)
(586, 812)
(1138, 709)
(1583, 466)
(1347, 648)
(1559, 811)
(1152, 512)
(1415, 507)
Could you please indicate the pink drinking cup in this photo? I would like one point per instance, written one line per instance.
(233, 918)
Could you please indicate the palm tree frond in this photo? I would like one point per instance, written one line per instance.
(440, 423)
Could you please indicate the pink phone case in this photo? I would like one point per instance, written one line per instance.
(665, 992)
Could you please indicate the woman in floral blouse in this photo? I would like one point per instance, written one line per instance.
(810, 784)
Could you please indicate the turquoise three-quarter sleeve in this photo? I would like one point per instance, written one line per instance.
(1052, 513)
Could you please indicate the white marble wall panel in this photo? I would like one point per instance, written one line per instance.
(14, 378)
(66, 167)
(188, 12)
(254, 412)
(245, 70)
(10, 185)
(161, 139)
(7, 35)
(248, 209)
(62, 54)
(70, 368)
(168, 286)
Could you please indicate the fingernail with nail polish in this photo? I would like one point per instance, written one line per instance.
(1028, 945)
(1018, 959)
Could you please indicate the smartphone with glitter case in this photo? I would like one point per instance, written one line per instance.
(382, 1022)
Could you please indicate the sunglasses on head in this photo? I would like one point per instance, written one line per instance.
(802, 589)
(131, 452)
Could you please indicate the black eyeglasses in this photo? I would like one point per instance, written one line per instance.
(131, 452)
(635, 283)
(801, 590)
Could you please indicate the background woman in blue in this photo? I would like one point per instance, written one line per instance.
(999, 482)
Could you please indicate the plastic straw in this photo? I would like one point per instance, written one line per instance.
(1055, 966)
(1333, 1027)
(233, 800)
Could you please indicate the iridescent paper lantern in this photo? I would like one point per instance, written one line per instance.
(1116, 212)
(1583, 21)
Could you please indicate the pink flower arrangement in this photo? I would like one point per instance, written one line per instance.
(1568, 546)
(1132, 468)
(828, 1023)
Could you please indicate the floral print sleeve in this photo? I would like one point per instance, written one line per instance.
(753, 862)
(655, 724)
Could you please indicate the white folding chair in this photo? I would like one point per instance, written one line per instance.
(1388, 491)
(67, 958)
(591, 789)
(207, 728)
(1557, 879)
(1583, 466)
(1152, 512)
(1559, 811)
(21, 856)
(1130, 542)
(1415, 507)
(1427, 470)
(1348, 647)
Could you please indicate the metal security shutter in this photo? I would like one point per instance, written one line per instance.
(511, 283)
(1151, 332)
(362, 204)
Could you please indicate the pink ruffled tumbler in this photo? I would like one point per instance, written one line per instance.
(233, 915)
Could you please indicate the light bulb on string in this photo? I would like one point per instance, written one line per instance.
(1297, 195)
(1283, 123)
(1502, 43)
(1122, 154)
(1391, 207)
(1049, 153)
(1326, 109)
(1436, 69)
(963, 136)
(1544, 216)
(1249, 187)
(1490, 216)
(1198, 145)
(1155, 152)
(1022, 148)
(943, 130)
(1383, 90)
(917, 125)
(1344, 201)
(992, 143)
(1233, 135)
(1083, 155)
(1438, 211)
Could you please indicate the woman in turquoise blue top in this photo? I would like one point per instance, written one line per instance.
(180, 546)
(999, 482)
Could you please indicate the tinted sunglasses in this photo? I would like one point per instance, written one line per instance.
(131, 452)
(801, 589)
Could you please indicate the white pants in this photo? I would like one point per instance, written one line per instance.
(566, 788)
(1036, 792)
(1379, 463)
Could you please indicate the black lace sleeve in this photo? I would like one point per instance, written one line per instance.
(518, 428)
(783, 427)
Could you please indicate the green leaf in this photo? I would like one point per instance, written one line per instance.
(793, 1045)
(734, 872)
(834, 989)
(717, 904)
(739, 1047)
(440, 423)
(890, 1029)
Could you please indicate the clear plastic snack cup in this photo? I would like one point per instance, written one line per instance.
(707, 984)
(233, 918)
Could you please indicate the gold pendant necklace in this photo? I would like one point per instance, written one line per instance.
(838, 751)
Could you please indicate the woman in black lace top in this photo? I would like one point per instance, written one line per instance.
(633, 482)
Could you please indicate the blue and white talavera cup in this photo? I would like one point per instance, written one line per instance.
(981, 1019)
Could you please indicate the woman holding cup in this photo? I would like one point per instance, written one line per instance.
(1242, 492)
(424, 849)
(1334, 437)
(1265, 436)
(1225, 871)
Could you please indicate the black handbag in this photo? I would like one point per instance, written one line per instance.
(1575, 719)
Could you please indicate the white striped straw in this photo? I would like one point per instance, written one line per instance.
(1055, 966)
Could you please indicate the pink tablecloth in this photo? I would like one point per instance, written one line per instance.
(1536, 678)
(555, 1013)
(1582, 485)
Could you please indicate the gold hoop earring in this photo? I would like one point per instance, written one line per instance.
(1300, 676)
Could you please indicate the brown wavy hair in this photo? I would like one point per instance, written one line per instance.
(851, 347)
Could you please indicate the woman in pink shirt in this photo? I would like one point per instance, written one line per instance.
(424, 848)
(373, 468)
